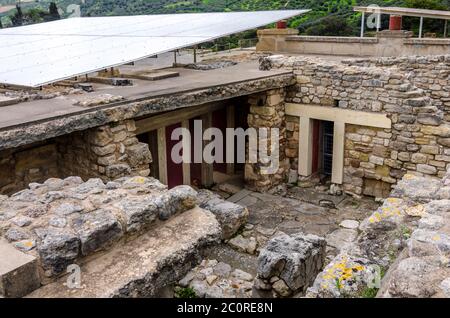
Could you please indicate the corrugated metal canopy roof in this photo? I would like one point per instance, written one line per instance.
(45, 53)
(410, 12)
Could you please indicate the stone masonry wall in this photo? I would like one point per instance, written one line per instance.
(24, 165)
(413, 92)
(267, 110)
(106, 152)
(62, 221)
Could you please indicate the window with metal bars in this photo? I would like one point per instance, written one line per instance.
(327, 142)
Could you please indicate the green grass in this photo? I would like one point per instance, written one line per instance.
(185, 293)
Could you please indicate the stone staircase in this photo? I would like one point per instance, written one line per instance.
(128, 238)
(143, 267)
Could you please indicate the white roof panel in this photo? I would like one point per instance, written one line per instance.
(40, 54)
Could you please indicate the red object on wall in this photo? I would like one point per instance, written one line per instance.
(174, 170)
(219, 120)
(395, 23)
(316, 146)
(282, 24)
(196, 168)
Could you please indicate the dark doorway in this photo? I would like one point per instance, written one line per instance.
(151, 139)
(322, 152)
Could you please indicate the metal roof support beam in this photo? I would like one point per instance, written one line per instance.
(363, 22)
(421, 27)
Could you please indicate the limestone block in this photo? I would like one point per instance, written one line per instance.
(18, 272)
(96, 230)
(295, 259)
(231, 216)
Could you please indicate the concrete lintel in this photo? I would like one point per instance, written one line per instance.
(19, 273)
(334, 114)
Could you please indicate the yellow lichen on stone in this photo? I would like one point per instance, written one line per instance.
(409, 177)
(417, 210)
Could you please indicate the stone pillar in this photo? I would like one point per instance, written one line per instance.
(274, 40)
(108, 152)
(267, 110)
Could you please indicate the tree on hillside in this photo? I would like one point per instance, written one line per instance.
(17, 18)
(53, 12)
(427, 4)
(332, 26)
(430, 25)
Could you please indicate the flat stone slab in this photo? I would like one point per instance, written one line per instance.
(144, 266)
(151, 75)
(341, 237)
(6, 101)
(18, 271)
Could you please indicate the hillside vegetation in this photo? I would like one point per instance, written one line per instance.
(327, 17)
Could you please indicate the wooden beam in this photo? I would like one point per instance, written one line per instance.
(334, 114)
(162, 155)
(207, 168)
(186, 155)
(175, 116)
(230, 124)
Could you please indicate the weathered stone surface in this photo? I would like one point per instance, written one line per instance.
(18, 272)
(57, 249)
(341, 237)
(96, 230)
(139, 212)
(245, 245)
(295, 259)
(349, 224)
(143, 266)
(62, 227)
(176, 200)
(230, 215)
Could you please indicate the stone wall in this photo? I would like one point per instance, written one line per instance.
(107, 152)
(413, 92)
(62, 221)
(24, 165)
(267, 110)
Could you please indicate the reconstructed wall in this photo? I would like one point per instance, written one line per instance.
(107, 152)
(267, 110)
(413, 92)
(24, 165)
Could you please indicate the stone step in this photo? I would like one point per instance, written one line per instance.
(145, 266)
(19, 273)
